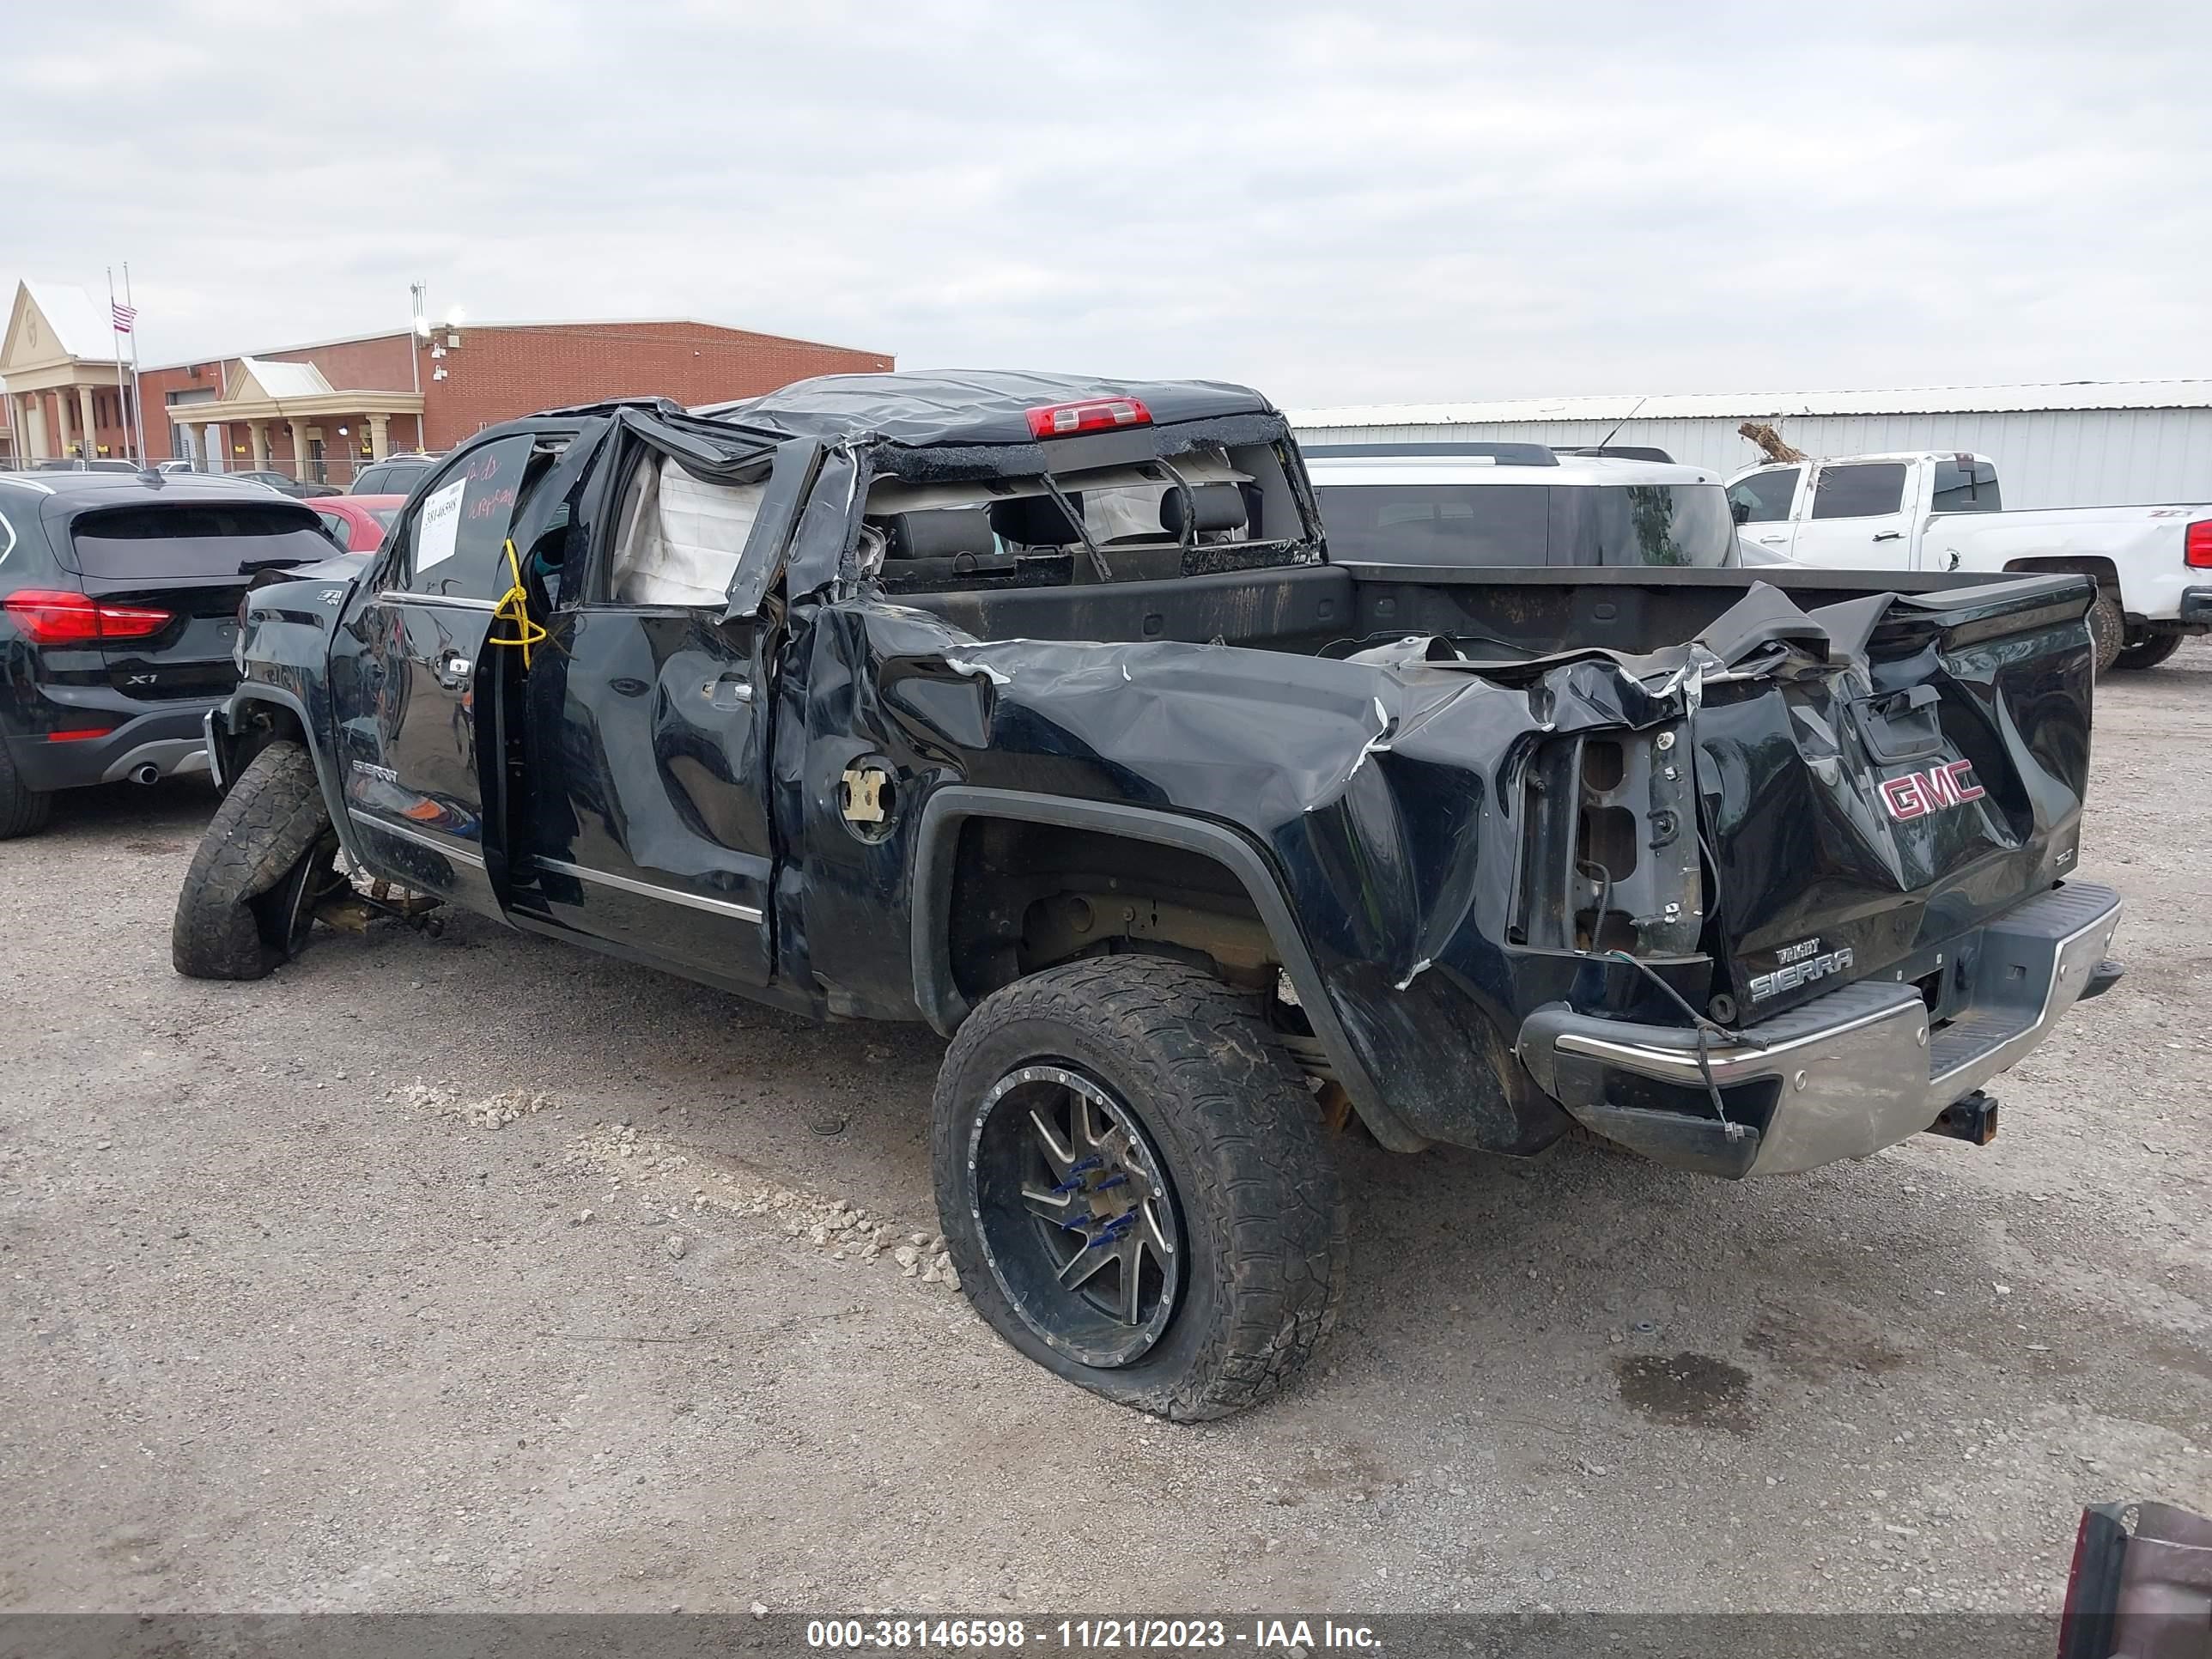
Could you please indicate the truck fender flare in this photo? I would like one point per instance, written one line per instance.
(253, 691)
(936, 853)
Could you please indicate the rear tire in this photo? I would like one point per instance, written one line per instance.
(23, 811)
(2147, 652)
(1197, 1167)
(268, 826)
(2108, 629)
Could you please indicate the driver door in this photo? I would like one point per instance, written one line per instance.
(408, 672)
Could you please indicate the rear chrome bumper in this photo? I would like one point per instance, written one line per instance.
(1842, 1076)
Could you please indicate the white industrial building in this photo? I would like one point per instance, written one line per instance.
(2080, 443)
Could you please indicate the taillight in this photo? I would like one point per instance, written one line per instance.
(2197, 551)
(131, 622)
(47, 616)
(1097, 415)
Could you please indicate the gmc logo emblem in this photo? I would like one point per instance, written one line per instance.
(1918, 793)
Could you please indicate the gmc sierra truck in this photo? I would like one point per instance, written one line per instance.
(1035, 709)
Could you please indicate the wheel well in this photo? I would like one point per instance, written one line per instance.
(264, 722)
(2104, 570)
(1026, 895)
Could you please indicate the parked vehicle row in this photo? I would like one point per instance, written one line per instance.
(1042, 711)
(1944, 511)
(282, 483)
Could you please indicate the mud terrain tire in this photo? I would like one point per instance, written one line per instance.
(269, 820)
(2108, 630)
(1232, 1128)
(22, 811)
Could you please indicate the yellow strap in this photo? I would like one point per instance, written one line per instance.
(515, 607)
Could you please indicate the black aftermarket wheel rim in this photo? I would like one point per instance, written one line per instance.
(1078, 1218)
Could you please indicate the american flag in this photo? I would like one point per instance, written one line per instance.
(124, 316)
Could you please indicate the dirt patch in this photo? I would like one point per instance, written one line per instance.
(1691, 1390)
(1817, 1340)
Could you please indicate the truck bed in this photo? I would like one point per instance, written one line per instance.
(1328, 609)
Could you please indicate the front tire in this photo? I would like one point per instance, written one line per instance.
(2149, 652)
(1131, 1181)
(23, 811)
(242, 907)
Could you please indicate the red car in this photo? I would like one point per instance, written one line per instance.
(357, 523)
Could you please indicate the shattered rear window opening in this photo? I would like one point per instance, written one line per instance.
(1140, 521)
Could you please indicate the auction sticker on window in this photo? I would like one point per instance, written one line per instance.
(440, 522)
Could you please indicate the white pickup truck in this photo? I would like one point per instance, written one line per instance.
(1941, 511)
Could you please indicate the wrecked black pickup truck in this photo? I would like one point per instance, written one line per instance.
(1036, 709)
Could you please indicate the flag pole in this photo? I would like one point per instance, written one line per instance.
(137, 404)
(115, 339)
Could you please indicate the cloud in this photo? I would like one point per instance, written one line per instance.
(1337, 203)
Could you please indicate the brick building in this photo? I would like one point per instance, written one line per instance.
(324, 409)
(64, 393)
(340, 402)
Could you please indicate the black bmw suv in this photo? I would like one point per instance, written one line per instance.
(119, 615)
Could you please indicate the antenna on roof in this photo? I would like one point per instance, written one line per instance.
(1624, 419)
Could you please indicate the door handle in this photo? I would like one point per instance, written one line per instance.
(729, 691)
(1891, 536)
(454, 669)
(1769, 541)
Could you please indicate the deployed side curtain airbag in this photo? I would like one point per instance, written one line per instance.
(681, 537)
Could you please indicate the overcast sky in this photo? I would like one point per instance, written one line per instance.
(1336, 203)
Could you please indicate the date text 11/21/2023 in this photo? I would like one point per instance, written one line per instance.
(1087, 1635)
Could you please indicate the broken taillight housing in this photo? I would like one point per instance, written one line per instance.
(2197, 550)
(1093, 415)
(54, 616)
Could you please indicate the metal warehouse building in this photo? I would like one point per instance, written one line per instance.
(2083, 443)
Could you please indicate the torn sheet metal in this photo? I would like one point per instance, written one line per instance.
(1393, 793)
(1371, 786)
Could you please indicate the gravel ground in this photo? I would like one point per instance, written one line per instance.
(483, 1272)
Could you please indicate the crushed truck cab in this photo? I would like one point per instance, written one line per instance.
(1036, 709)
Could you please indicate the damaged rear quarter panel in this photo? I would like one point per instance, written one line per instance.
(1381, 796)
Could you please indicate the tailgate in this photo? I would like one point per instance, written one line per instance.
(1859, 812)
(187, 565)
